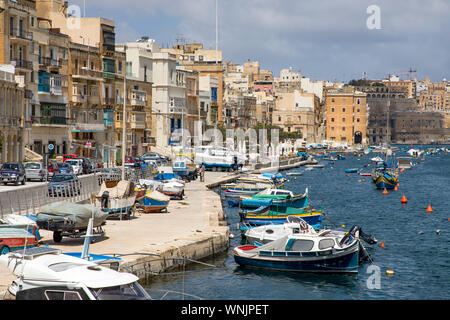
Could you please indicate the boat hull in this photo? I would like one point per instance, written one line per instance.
(154, 206)
(383, 182)
(346, 262)
(312, 218)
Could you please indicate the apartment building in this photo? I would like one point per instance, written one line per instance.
(296, 111)
(206, 62)
(346, 116)
(12, 116)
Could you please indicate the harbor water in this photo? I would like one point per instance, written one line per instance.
(411, 242)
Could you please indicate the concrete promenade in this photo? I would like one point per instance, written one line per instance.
(193, 228)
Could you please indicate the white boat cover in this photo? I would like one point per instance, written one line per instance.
(16, 220)
(158, 196)
(123, 189)
(79, 213)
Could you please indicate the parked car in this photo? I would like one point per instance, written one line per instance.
(69, 156)
(77, 165)
(87, 167)
(52, 169)
(129, 159)
(13, 172)
(64, 185)
(152, 156)
(35, 171)
(64, 168)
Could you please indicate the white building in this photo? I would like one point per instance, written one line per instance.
(168, 97)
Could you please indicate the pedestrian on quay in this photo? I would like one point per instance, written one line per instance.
(202, 173)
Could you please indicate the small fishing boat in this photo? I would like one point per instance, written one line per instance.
(354, 170)
(376, 160)
(25, 222)
(386, 180)
(318, 166)
(306, 252)
(340, 157)
(275, 198)
(404, 163)
(12, 239)
(185, 168)
(240, 189)
(155, 201)
(116, 198)
(365, 174)
(295, 173)
(268, 215)
(173, 188)
(264, 234)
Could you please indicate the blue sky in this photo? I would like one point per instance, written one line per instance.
(326, 39)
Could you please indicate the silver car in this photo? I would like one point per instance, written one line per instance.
(35, 171)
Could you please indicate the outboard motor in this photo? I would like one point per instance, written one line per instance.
(370, 239)
(105, 198)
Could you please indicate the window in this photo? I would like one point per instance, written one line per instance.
(200, 58)
(332, 119)
(62, 295)
(192, 58)
(357, 119)
(302, 245)
(120, 66)
(326, 243)
(343, 109)
(358, 101)
(358, 110)
(343, 128)
(332, 109)
(343, 119)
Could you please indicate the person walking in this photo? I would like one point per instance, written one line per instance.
(202, 173)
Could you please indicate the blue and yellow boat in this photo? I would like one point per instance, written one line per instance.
(269, 215)
(386, 180)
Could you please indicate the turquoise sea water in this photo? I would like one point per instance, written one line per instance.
(416, 243)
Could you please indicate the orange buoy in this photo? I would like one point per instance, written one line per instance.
(395, 189)
(404, 200)
(402, 170)
(385, 192)
(429, 209)
(398, 184)
(382, 244)
(421, 160)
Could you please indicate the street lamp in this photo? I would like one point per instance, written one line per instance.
(124, 123)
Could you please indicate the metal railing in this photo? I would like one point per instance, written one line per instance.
(28, 201)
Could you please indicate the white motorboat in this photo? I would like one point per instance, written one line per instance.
(218, 157)
(46, 273)
(267, 233)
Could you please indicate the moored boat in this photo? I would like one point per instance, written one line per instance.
(275, 197)
(12, 239)
(155, 201)
(267, 215)
(306, 252)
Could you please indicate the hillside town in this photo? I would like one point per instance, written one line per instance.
(66, 83)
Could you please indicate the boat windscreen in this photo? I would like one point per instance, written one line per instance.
(131, 291)
(63, 266)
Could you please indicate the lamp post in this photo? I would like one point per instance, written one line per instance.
(124, 123)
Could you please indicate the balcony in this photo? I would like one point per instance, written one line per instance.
(23, 64)
(108, 101)
(88, 74)
(49, 120)
(94, 100)
(138, 98)
(137, 120)
(78, 98)
(49, 62)
(17, 33)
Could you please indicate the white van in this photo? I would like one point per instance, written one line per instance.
(77, 165)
